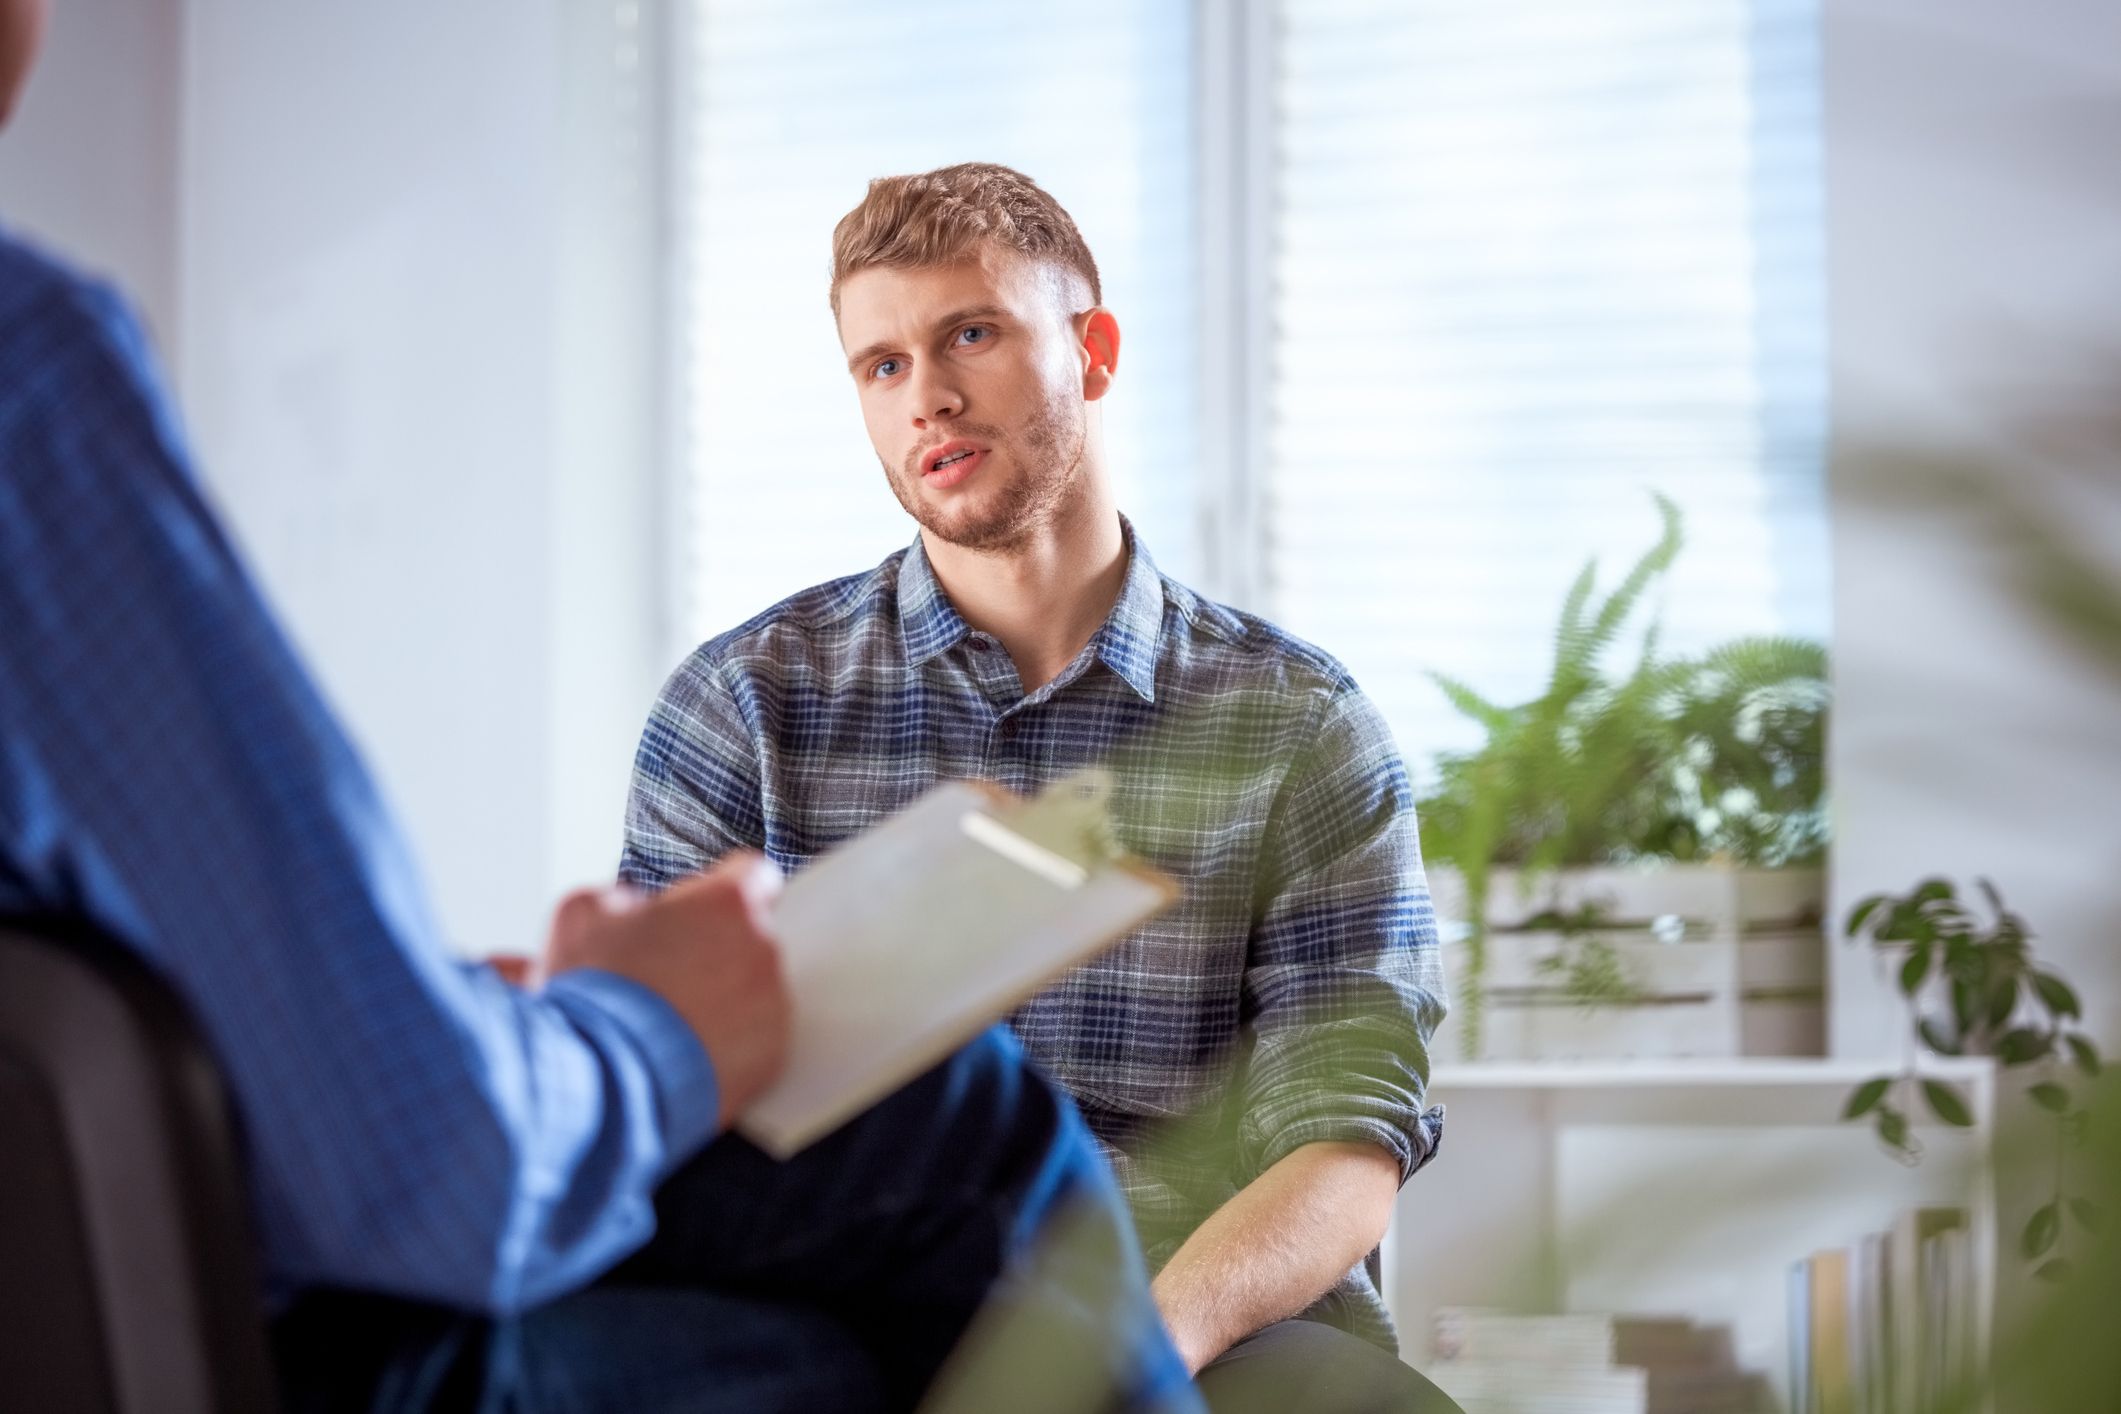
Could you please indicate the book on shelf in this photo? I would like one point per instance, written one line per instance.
(1887, 1324)
(1692, 1368)
(1833, 1383)
(1494, 1362)
(1799, 1343)
(1470, 1333)
(1483, 1386)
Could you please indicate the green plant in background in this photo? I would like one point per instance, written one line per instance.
(1590, 967)
(1995, 1000)
(1717, 756)
(1747, 782)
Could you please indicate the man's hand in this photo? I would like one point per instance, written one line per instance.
(705, 947)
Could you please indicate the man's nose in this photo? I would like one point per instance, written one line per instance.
(936, 400)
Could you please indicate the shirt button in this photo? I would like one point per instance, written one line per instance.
(981, 643)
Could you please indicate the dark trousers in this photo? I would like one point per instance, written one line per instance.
(1315, 1368)
(838, 1281)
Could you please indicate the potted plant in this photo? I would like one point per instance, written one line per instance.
(1618, 813)
(1975, 988)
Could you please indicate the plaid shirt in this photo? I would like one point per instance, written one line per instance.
(1289, 998)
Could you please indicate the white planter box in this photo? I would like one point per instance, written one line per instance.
(1746, 979)
(1716, 902)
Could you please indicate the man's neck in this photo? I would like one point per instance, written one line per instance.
(1044, 599)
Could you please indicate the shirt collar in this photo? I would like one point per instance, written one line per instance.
(1127, 643)
(927, 623)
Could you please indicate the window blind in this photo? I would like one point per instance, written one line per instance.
(1530, 262)
(787, 111)
(1519, 266)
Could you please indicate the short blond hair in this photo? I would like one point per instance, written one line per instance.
(934, 218)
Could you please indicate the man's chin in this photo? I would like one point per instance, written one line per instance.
(970, 528)
(968, 517)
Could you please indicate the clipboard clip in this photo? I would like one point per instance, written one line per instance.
(1070, 819)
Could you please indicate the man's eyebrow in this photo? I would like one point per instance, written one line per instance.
(950, 320)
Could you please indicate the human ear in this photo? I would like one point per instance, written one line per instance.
(1098, 334)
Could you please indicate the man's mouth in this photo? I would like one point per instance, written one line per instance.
(951, 463)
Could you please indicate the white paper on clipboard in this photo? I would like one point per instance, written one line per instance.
(907, 941)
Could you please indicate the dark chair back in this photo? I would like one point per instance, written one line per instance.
(128, 1278)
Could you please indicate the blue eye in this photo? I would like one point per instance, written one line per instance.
(884, 368)
(974, 333)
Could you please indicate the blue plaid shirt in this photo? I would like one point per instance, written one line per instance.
(1288, 999)
(169, 776)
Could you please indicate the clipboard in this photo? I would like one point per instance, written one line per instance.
(905, 942)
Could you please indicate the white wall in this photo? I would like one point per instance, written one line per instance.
(415, 374)
(1974, 192)
(88, 166)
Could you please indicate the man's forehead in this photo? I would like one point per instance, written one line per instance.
(881, 301)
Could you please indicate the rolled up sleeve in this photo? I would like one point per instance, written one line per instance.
(1344, 983)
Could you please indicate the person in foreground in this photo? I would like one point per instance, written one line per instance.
(1255, 1060)
(471, 1195)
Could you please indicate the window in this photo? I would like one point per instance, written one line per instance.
(1530, 262)
(790, 110)
(1422, 298)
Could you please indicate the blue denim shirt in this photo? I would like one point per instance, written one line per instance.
(170, 776)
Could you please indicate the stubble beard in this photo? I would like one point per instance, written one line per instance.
(1051, 456)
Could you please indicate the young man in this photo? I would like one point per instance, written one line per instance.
(1255, 1060)
(467, 1194)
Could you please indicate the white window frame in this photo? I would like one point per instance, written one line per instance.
(1235, 134)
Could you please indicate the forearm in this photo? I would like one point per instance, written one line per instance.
(1277, 1246)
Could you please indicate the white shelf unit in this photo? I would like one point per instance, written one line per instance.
(1677, 1188)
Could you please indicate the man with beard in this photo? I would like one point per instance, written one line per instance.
(1256, 1060)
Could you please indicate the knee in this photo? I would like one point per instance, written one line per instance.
(995, 1104)
(990, 1079)
(1299, 1364)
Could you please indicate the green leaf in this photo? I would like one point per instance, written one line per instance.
(2002, 1001)
(1862, 911)
(1472, 704)
(2087, 1213)
(1621, 602)
(1892, 1129)
(2057, 1270)
(1866, 1097)
(1568, 637)
(2060, 999)
(1930, 889)
(1937, 1038)
(1995, 900)
(2041, 1231)
(2023, 1045)
(1947, 1104)
(2086, 1053)
(1963, 1008)
(1915, 969)
(2051, 1097)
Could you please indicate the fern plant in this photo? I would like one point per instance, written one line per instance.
(1715, 756)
